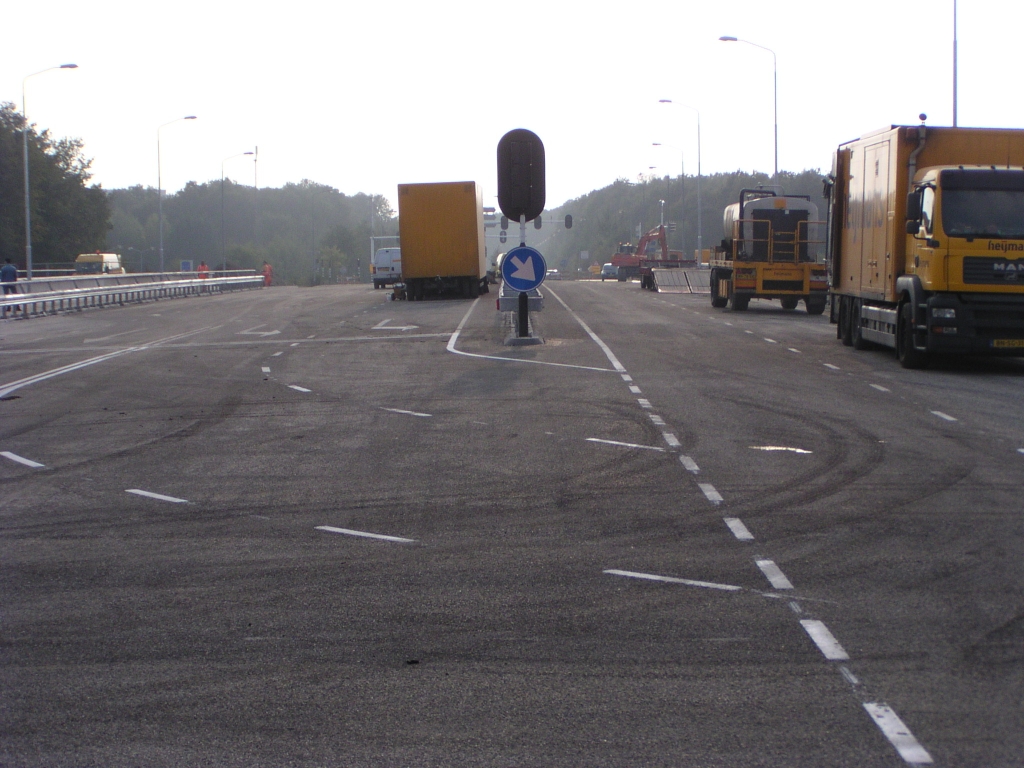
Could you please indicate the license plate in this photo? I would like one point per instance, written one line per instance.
(1007, 343)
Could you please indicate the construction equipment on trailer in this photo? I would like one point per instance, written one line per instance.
(773, 249)
(650, 253)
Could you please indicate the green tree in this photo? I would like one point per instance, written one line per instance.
(68, 215)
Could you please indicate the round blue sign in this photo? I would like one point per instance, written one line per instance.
(523, 268)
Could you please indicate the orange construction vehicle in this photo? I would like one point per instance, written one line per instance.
(650, 253)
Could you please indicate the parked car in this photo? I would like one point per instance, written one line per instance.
(609, 270)
(552, 274)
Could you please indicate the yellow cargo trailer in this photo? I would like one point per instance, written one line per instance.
(926, 241)
(441, 229)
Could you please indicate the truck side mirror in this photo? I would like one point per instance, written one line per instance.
(913, 226)
(913, 206)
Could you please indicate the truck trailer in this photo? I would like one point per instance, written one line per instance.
(926, 241)
(773, 249)
(441, 230)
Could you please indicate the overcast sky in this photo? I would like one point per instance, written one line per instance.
(363, 96)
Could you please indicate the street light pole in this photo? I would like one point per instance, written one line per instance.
(682, 188)
(700, 238)
(24, 143)
(775, 70)
(160, 188)
(223, 247)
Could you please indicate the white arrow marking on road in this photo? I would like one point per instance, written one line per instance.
(253, 332)
(21, 459)
(157, 496)
(524, 269)
(383, 326)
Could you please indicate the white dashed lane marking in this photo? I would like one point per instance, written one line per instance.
(822, 638)
(944, 416)
(658, 421)
(739, 530)
(625, 445)
(157, 496)
(635, 389)
(689, 464)
(266, 369)
(21, 459)
(297, 388)
(672, 440)
(831, 367)
(644, 402)
(408, 413)
(880, 388)
(898, 734)
(673, 580)
(364, 534)
(712, 495)
(774, 574)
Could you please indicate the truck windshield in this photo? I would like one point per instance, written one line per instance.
(983, 203)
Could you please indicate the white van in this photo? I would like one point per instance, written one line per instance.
(98, 264)
(386, 267)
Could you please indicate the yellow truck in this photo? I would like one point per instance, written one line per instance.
(773, 249)
(926, 241)
(441, 230)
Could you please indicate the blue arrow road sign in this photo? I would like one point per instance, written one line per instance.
(523, 268)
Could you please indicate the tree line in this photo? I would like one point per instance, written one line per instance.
(68, 215)
(611, 215)
(310, 233)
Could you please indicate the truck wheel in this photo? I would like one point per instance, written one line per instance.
(474, 287)
(716, 301)
(857, 339)
(908, 355)
(789, 302)
(815, 306)
(738, 303)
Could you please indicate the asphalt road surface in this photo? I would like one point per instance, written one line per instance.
(312, 527)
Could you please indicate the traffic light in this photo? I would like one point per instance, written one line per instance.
(521, 174)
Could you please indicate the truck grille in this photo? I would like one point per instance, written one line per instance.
(987, 270)
(783, 285)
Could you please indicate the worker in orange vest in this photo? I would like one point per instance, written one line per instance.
(268, 274)
(204, 271)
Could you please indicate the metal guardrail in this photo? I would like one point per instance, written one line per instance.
(43, 302)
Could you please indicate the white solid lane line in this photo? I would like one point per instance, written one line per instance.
(898, 734)
(625, 445)
(21, 459)
(297, 388)
(157, 496)
(739, 530)
(944, 416)
(408, 413)
(604, 347)
(364, 534)
(673, 580)
(778, 448)
(822, 638)
(774, 574)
